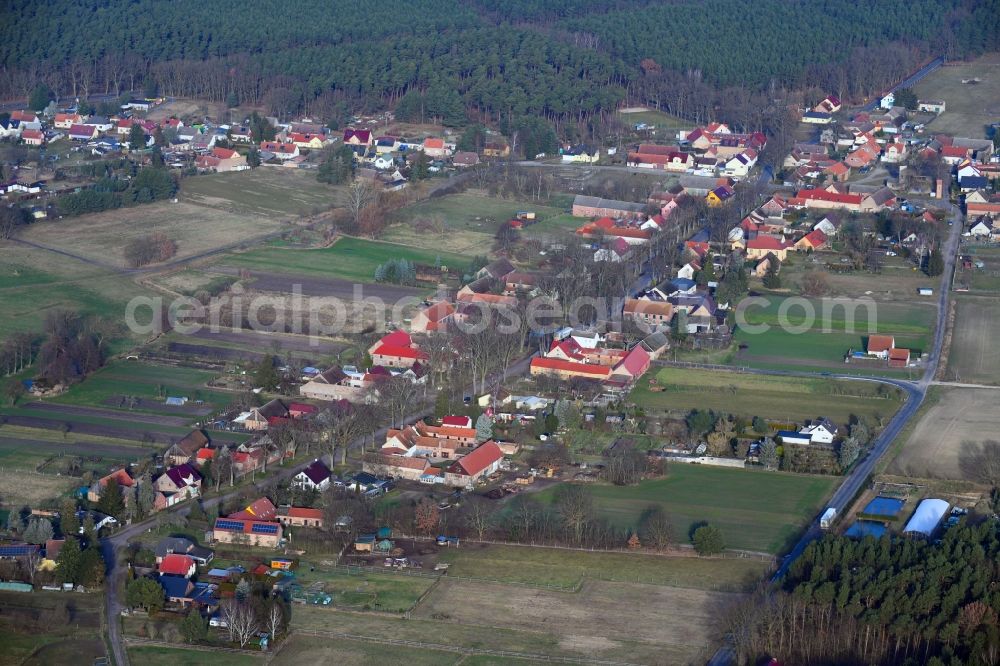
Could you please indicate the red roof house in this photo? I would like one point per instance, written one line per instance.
(483, 460)
(176, 564)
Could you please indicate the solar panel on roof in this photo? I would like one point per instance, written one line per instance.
(16, 551)
(264, 529)
(229, 524)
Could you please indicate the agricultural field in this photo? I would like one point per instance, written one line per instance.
(352, 259)
(970, 106)
(974, 356)
(784, 399)
(154, 655)
(267, 192)
(822, 337)
(960, 419)
(568, 570)
(50, 628)
(197, 229)
(756, 510)
(675, 625)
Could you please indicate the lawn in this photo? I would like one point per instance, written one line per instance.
(983, 281)
(390, 593)
(266, 192)
(18, 489)
(897, 282)
(787, 399)
(568, 569)
(756, 510)
(662, 122)
(152, 655)
(352, 259)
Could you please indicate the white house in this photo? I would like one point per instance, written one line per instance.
(981, 228)
(888, 101)
(822, 431)
(314, 477)
(968, 171)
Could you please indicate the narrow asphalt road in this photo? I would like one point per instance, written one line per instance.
(110, 545)
(916, 391)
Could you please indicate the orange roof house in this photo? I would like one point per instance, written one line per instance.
(814, 240)
(899, 358)
(880, 345)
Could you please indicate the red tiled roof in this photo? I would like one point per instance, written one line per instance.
(303, 512)
(880, 343)
(205, 454)
(766, 243)
(32, 134)
(636, 361)
(479, 459)
(833, 197)
(398, 338)
(176, 564)
(460, 421)
(570, 366)
(433, 143)
(119, 475)
(815, 238)
(261, 509)
(399, 352)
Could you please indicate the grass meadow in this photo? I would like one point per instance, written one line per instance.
(352, 259)
(775, 398)
(756, 510)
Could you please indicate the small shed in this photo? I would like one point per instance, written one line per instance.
(384, 546)
(364, 543)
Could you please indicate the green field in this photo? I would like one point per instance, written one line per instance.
(821, 332)
(756, 510)
(352, 259)
(776, 398)
(141, 380)
(568, 569)
(266, 191)
(662, 121)
(389, 593)
(974, 356)
(466, 223)
(303, 649)
(34, 282)
(153, 655)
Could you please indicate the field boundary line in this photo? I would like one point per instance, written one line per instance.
(457, 649)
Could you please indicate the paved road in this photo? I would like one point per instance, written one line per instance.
(114, 543)
(916, 391)
(908, 82)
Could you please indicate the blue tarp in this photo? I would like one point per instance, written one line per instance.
(884, 506)
(863, 528)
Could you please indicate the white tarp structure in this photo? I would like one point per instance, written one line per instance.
(927, 517)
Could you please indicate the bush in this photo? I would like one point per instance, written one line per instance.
(708, 540)
(148, 249)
